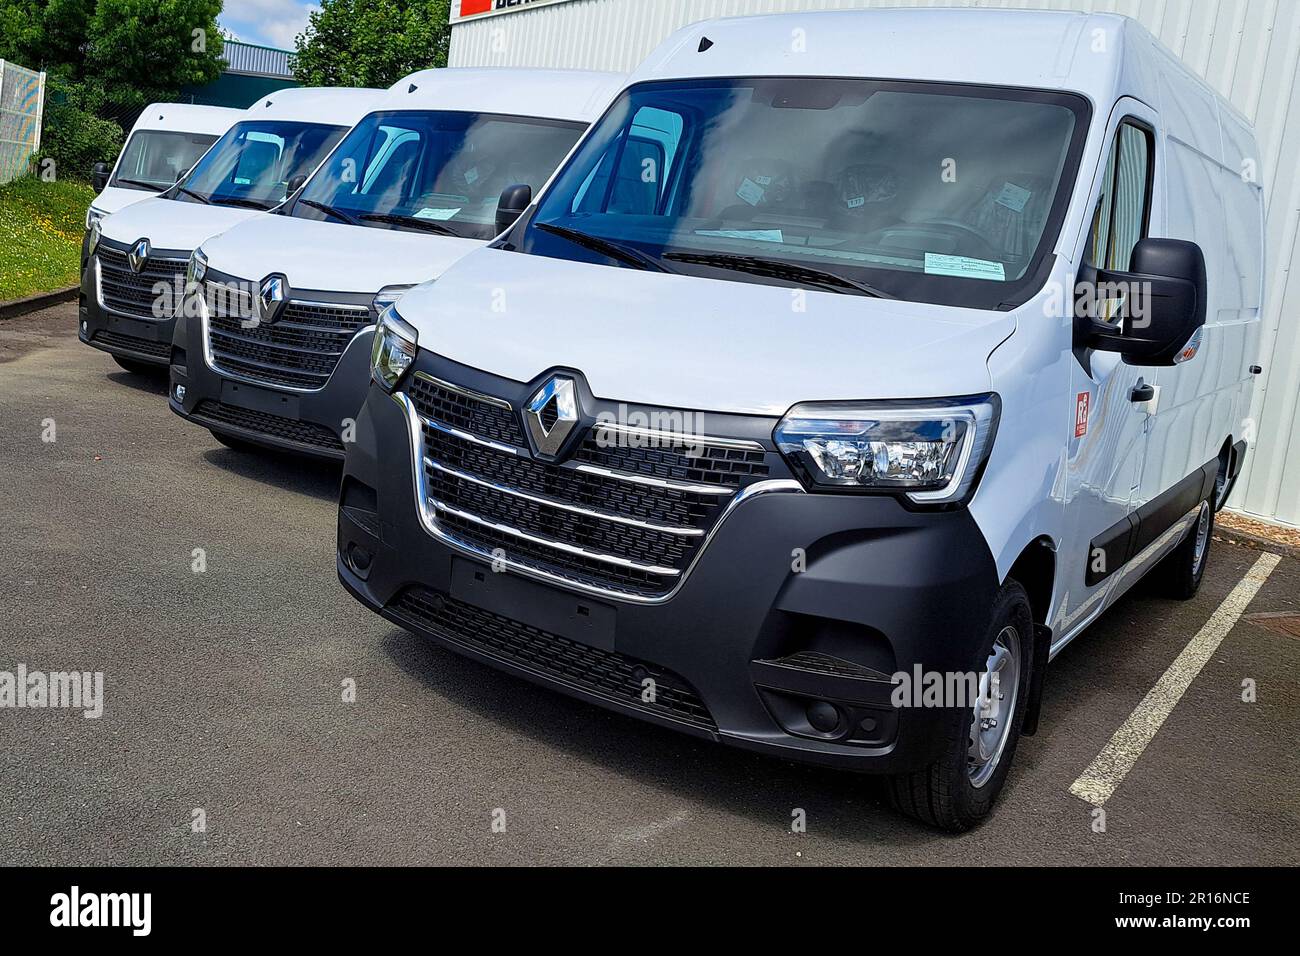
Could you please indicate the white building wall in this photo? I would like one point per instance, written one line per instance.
(1247, 49)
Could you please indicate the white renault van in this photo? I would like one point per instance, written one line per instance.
(135, 270)
(848, 353)
(277, 352)
(165, 141)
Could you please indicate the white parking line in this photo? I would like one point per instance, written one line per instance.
(1117, 758)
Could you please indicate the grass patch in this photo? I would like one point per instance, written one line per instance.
(40, 235)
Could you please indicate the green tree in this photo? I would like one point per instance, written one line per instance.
(371, 42)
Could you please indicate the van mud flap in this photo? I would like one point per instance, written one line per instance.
(1034, 705)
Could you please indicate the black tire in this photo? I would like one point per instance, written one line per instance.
(1179, 574)
(139, 368)
(235, 444)
(943, 795)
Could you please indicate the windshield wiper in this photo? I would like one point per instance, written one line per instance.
(199, 196)
(779, 269)
(139, 182)
(605, 247)
(331, 211)
(415, 222)
(239, 201)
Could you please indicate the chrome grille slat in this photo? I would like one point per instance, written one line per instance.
(298, 351)
(132, 293)
(631, 533)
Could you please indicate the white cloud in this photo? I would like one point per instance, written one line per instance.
(269, 22)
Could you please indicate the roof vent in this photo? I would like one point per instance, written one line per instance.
(412, 88)
(268, 103)
(705, 43)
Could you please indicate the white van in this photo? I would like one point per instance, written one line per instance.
(277, 354)
(848, 353)
(165, 141)
(135, 270)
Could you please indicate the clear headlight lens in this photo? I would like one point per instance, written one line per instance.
(197, 269)
(93, 242)
(932, 452)
(93, 216)
(388, 295)
(394, 349)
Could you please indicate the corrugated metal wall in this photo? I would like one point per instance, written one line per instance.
(1247, 49)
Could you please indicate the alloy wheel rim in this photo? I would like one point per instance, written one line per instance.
(1202, 537)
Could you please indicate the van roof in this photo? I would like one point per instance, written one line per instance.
(188, 118)
(1100, 55)
(335, 105)
(554, 94)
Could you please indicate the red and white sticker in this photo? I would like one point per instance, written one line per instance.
(1081, 414)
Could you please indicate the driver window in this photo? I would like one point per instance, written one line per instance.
(1120, 218)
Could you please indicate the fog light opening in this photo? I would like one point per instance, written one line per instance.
(179, 392)
(824, 716)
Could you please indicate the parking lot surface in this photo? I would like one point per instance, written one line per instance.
(223, 693)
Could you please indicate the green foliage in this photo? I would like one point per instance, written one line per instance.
(73, 136)
(41, 224)
(371, 42)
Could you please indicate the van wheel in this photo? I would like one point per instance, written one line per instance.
(138, 368)
(235, 444)
(958, 790)
(1179, 575)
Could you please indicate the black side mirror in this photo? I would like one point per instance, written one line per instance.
(1162, 303)
(181, 174)
(294, 184)
(514, 200)
(99, 176)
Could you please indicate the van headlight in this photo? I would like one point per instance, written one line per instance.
(93, 216)
(930, 451)
(93, 242)
(394, 350)
(197, 269)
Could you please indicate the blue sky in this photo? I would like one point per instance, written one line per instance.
(269, 22)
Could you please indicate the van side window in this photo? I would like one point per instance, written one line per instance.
(1120, 218)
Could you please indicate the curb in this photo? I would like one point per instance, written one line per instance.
(1256, 542)
(34, 303)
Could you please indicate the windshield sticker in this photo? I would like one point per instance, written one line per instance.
(963, 267)
(471, 175)
(1013, 197)
(763, 180)
(758, 235)
(751, 192)
(857, 201)
(442, 215)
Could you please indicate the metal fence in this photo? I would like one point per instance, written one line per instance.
(22, 103)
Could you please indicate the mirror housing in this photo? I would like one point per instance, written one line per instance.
(514, 200)
(294, 184)
(1163, 303)
(181, 174)
(99, 176)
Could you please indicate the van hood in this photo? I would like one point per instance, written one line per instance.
(171, 224)
(332, 256)
(695, 343)
(114, 198)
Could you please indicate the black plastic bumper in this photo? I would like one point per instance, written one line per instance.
(317, 423)
(147, 341)
(746, 639)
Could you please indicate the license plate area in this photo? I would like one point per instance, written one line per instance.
(136, 328)
(509, 595)
(259, 399)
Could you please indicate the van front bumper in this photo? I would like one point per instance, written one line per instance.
(747, 651)
(316, 423)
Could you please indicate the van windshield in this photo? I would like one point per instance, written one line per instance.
(434, 171)
(252, 164)
(153, 158)
(929, 192)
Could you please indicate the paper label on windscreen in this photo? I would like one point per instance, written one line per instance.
(760, 235)
(751, 192)
(1013, 197)
(964, 267)
(429, 212)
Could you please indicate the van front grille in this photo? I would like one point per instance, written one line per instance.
(618, 518)
(300, 349)
(599, 673)
(217, 414)
(134, 293)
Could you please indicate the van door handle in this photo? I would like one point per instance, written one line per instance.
(1142, 392)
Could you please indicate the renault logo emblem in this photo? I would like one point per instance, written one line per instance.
(138, 255)
(270, 298)
(552, 414)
